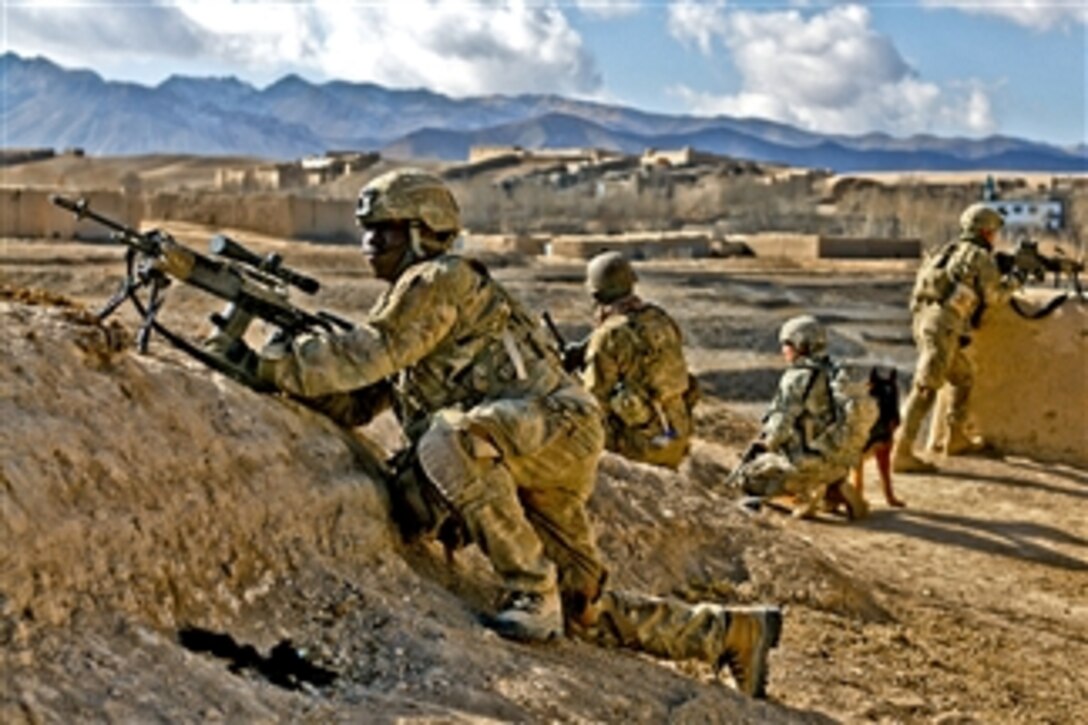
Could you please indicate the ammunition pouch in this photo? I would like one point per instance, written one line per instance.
(419, 508)
(630, 406)
(963, 300)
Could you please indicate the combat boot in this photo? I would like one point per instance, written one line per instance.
(529, 616)
(915, 410)
(751, 634)
(961, 444)
(904, 461)
(856, 505)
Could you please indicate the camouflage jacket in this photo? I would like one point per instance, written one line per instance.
(802, 408)
(635, 369)
(963, 278)
(445, 335)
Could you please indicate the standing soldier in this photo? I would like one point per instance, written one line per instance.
(953, 287)
(633, 363)
(797, 452)
(500, 432)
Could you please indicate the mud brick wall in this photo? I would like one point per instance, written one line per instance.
(27, 212)
(279, 215)
(814, 246)
(1031, 391)
(636, 246)
(504, 243)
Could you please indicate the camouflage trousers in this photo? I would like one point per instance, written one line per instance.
(942, 357)
(666, 628)
(519, 472)
(773, 474)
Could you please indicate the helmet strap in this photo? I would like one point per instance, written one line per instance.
(416, 240)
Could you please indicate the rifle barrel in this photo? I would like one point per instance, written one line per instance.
(552, 328)
(81, 209)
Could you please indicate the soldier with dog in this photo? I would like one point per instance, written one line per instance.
(801, 451)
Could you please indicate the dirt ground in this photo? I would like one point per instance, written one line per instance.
(180, 548)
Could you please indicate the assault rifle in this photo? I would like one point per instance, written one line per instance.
(253, 287)
(572, 353)
(1027, 262)
(750, 453)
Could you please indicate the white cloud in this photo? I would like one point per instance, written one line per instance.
(828, 72)
(452, 47)
(73, 30)
(609, 8)
(1036, 14)
(691, 21)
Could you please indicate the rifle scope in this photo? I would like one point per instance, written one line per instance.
(223, 246)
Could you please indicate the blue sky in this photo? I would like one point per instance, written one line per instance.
(947, 67)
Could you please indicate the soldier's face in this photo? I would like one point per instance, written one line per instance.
(384, 246)
(790, 352)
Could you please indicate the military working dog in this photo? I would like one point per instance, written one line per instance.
(884, 388)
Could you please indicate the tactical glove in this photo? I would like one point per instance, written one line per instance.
(574, 356)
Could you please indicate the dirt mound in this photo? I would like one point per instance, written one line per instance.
(163, 525)
(152, 488)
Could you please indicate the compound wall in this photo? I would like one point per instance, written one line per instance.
(27, 212)
(278, 215)
(635, 245)
(814, 246)
(1031, 391)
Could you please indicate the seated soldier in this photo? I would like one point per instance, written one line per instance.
(633, 363)
(499, 434)
(793, 456)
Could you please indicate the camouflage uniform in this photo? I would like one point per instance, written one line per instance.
(953, 287)
(635, 369)
(512, 442)
(800, 412)
(796, 455)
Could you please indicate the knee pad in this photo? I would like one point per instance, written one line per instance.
(455, 459)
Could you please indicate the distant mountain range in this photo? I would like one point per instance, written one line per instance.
(46, 105)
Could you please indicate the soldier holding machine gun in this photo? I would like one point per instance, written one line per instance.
(253, 287)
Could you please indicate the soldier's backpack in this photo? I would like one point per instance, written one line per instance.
(854, 413)
(662, 373)
(934, 281)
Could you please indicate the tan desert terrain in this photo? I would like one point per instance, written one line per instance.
(158, 519)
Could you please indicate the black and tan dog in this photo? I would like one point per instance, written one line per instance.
(885, 390)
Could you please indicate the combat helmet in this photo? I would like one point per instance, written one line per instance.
(410, 195)
(978, 218)
(609, 277)
(805, 334)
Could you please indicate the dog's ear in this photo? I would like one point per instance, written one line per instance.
(893, 375)
(874, 375)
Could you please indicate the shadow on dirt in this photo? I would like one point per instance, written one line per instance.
(1013, 539)
(1074, 478)
(722, 333)
(1072, 475)
(750, 386)
(283, 667)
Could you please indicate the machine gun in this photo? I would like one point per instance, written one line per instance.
(1027, 262)
(253, 287)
